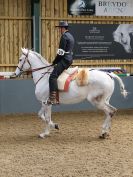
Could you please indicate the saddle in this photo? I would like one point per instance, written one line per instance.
(80, 75)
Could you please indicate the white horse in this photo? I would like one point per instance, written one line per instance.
(98, 92)
(122, 36)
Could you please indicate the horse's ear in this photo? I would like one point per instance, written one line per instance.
(21, 49)
(24, 50)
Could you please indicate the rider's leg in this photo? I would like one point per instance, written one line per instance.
(58, 69)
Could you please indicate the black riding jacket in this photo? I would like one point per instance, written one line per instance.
(67, 44)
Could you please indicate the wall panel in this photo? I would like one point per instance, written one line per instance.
(15, 31)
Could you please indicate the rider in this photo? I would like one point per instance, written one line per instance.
(62, 60)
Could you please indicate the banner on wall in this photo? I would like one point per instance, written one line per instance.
(81, 7)
(114, 8)
(100, 7)
(102, 41)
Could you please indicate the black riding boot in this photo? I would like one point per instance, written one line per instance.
(53, 98)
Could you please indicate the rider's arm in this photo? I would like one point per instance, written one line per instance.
(62, 45)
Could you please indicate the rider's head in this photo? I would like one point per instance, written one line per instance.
(63, 25)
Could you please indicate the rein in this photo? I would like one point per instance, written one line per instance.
(48, 72)
(37, 69)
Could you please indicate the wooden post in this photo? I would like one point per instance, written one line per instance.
(36, 24)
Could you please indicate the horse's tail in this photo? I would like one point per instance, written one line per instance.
(121, 84)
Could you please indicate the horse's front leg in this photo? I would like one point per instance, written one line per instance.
(41, 113)
(49, 123)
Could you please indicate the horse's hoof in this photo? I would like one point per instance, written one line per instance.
(57, 126)
(104, 136)
(41, 136)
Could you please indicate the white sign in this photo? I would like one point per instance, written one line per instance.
(114, 7)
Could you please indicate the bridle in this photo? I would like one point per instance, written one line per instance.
(32, 70)
(25, 60)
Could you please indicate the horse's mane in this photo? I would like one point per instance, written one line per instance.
(40, 57)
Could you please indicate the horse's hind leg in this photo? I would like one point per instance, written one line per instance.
(112, 109)
(106, 127)
(109, 111)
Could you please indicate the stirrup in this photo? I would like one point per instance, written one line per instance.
(52, 102)
(53, 98)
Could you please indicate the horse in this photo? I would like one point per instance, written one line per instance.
(98, 91)
(122, 36)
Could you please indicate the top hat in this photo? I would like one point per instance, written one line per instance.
(62, 24)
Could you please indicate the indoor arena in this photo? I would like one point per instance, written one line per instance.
(66, 88)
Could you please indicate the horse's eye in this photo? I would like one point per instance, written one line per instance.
(20, 60)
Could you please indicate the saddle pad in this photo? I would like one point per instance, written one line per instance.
(65, 78)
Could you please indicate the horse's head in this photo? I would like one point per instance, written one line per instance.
(124, 40)
(30, 60)
(24, 64)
